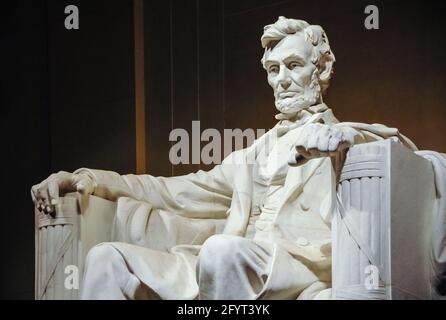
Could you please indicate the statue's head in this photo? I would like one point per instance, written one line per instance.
(299, 63)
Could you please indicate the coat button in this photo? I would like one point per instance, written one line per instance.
(304, 206)
(301, 241)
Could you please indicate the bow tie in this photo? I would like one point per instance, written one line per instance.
(304, 113)
(288, 122)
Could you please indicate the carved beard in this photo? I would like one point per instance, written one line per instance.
(310, 96)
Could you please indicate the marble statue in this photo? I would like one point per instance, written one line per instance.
(277, 196)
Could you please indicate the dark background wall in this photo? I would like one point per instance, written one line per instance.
(91, 86)
(67, 97)
(67, 101)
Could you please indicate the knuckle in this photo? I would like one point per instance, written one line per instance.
(304, 145)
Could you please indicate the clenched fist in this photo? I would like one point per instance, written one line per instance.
(46, 194)
(320, 140)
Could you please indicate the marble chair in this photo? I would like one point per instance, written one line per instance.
(388, 232)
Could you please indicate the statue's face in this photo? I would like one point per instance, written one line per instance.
(292, 75)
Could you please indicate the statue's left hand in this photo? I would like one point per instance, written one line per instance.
(318, 140)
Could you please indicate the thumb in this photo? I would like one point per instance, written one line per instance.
(84, 185)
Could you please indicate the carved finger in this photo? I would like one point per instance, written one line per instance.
(48, 209)
(300, 139)
(43, 194)
(323, 142)
(84, 184)
(336, 133)
(53, 191)
(333, 144)
(312, 140)
(292, 159)
(46, 204)
(348, 137)
(40, 205)
(40, 200)
(33, 195)
(36, 190)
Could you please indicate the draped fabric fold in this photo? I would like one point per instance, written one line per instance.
(438, 239)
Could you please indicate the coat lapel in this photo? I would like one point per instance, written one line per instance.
(242, 195)
(240, 209)
(297, 177)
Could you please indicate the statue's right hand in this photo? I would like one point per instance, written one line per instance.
(46, 194)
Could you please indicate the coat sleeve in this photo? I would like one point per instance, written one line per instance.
(363, 133)
(204, 194)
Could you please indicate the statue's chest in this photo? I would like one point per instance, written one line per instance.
(271, 167)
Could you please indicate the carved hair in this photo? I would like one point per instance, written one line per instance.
(323, 58)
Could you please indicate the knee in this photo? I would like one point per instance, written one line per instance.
(219, 249)
(106, 274)
(103, 255)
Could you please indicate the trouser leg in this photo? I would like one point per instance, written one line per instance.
(231, 267)
(107, 276)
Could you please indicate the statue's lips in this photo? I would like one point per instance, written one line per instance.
(287, 94)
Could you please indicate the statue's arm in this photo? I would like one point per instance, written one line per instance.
(363, 133)
(317, 140)
(197, 195)
(201, 194)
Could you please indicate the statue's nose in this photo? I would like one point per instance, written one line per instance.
(285, 83)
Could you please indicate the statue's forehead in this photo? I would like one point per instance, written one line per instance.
(294, 44)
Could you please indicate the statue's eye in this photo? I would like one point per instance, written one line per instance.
(273, 69)
(294, 65)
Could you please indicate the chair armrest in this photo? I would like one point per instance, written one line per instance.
(64, 239)
(383, 227)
